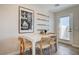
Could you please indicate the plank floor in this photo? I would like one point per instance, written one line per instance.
(63, 49)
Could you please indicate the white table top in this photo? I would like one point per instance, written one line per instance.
(35, 38)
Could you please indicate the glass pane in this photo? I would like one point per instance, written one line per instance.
(64, 27)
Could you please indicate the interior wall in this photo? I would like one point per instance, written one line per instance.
(9, 20)
(75, 12)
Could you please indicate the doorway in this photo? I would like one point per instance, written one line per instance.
(65, 29)
(64, 33)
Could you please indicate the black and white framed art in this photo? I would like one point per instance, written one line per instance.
(26, 20)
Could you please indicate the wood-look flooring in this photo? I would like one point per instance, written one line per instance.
(63, 49)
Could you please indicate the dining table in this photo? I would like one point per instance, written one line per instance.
(34, 37)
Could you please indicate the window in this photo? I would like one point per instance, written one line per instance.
(64, 27)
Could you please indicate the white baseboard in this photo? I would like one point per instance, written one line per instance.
(74, 45)
(13, 53)
(66, 42)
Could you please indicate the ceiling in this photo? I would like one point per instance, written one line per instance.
(54, 7)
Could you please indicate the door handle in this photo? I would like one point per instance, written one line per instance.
(70, 30)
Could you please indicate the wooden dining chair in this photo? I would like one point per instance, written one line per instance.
(52, 43)
(24, 44)
(43, 44)
(46, 42)
(21, 45)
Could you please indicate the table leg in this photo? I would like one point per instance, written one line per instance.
(55, 44)
(51, 49)
(33, 48)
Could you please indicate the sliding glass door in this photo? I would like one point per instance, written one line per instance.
(64, 28)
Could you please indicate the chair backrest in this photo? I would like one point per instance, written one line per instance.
(21, 45)
(52, 37)
(24, 43)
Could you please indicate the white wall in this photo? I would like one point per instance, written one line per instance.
(75, 12)
(9, 20)
(52, 22)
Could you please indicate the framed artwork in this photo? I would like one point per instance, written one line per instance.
(26, 20)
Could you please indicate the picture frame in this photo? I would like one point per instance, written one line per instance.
(26, 20)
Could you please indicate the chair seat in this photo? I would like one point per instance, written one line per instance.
(43, 45)
(52, 43)
(28, 44)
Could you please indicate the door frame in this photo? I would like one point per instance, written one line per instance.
(57, 29)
